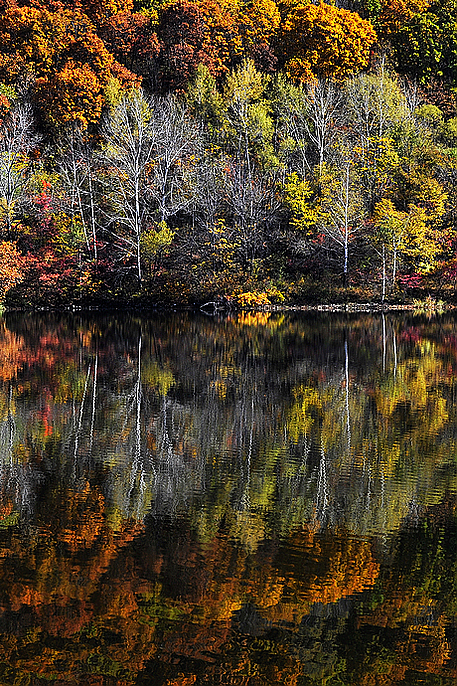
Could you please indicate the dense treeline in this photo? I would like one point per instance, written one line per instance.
(188, 151)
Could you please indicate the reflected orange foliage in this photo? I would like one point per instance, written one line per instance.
(182, 681)
(13, 353)
(85, 513)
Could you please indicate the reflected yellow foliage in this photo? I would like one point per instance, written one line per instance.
(416, 387)
(157, 377)
(306, 412)
(253, 318)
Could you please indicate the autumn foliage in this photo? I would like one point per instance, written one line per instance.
(252, 151)
(325, 41)
(11, 267)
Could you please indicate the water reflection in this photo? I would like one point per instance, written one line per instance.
(257, 500)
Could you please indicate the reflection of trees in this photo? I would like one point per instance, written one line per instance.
(407, 633)
(206, 490)
(251, 416)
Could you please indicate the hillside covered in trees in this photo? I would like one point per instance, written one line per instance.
(262, 152)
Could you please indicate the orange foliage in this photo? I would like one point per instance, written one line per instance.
(11, 267)
(101, 10)
(72, 65)
(221, 18)
(130, 37)
(325, 41)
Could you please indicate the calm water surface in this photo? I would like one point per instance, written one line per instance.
(256, 500)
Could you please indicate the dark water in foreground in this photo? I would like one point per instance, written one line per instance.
(251, 501)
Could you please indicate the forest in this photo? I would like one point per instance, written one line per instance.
(241, 152)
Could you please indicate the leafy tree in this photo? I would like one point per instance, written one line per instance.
(374, 104)
(70, 62)
(185, 43)
(259, 22)
(131, 38)
(250, 169)
(325, 41)
(409, 234)
(423, 36)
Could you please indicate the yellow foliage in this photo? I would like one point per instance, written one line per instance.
(326, 41)
(413, 233)
(252, 299)
(259, 21)
(300, 198)
(153, 240)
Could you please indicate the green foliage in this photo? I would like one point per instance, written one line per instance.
(247, 114)
(425, 45)
(203, 98)
(8, 91)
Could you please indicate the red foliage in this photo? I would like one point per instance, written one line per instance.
(130, 38)
(184, 41)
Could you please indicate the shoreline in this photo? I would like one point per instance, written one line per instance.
(214, 308)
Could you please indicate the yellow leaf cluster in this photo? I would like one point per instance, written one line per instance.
(326, 41)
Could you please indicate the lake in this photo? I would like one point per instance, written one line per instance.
(251, 500)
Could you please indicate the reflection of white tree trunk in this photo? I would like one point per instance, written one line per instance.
(7, 436)
(322, 497)
(245, 499)
(138, 396)
(137, 484)
(394, 346)
(348, 416)
(80, 420)
(18, 479)
(94, 403)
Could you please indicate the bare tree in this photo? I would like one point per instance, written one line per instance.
(322, 101)
(311, 120)
(172, 175)
(149, 153)
(129, 142)
(77, 173)
(252, 206)
(343, 211)
(17, 138)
